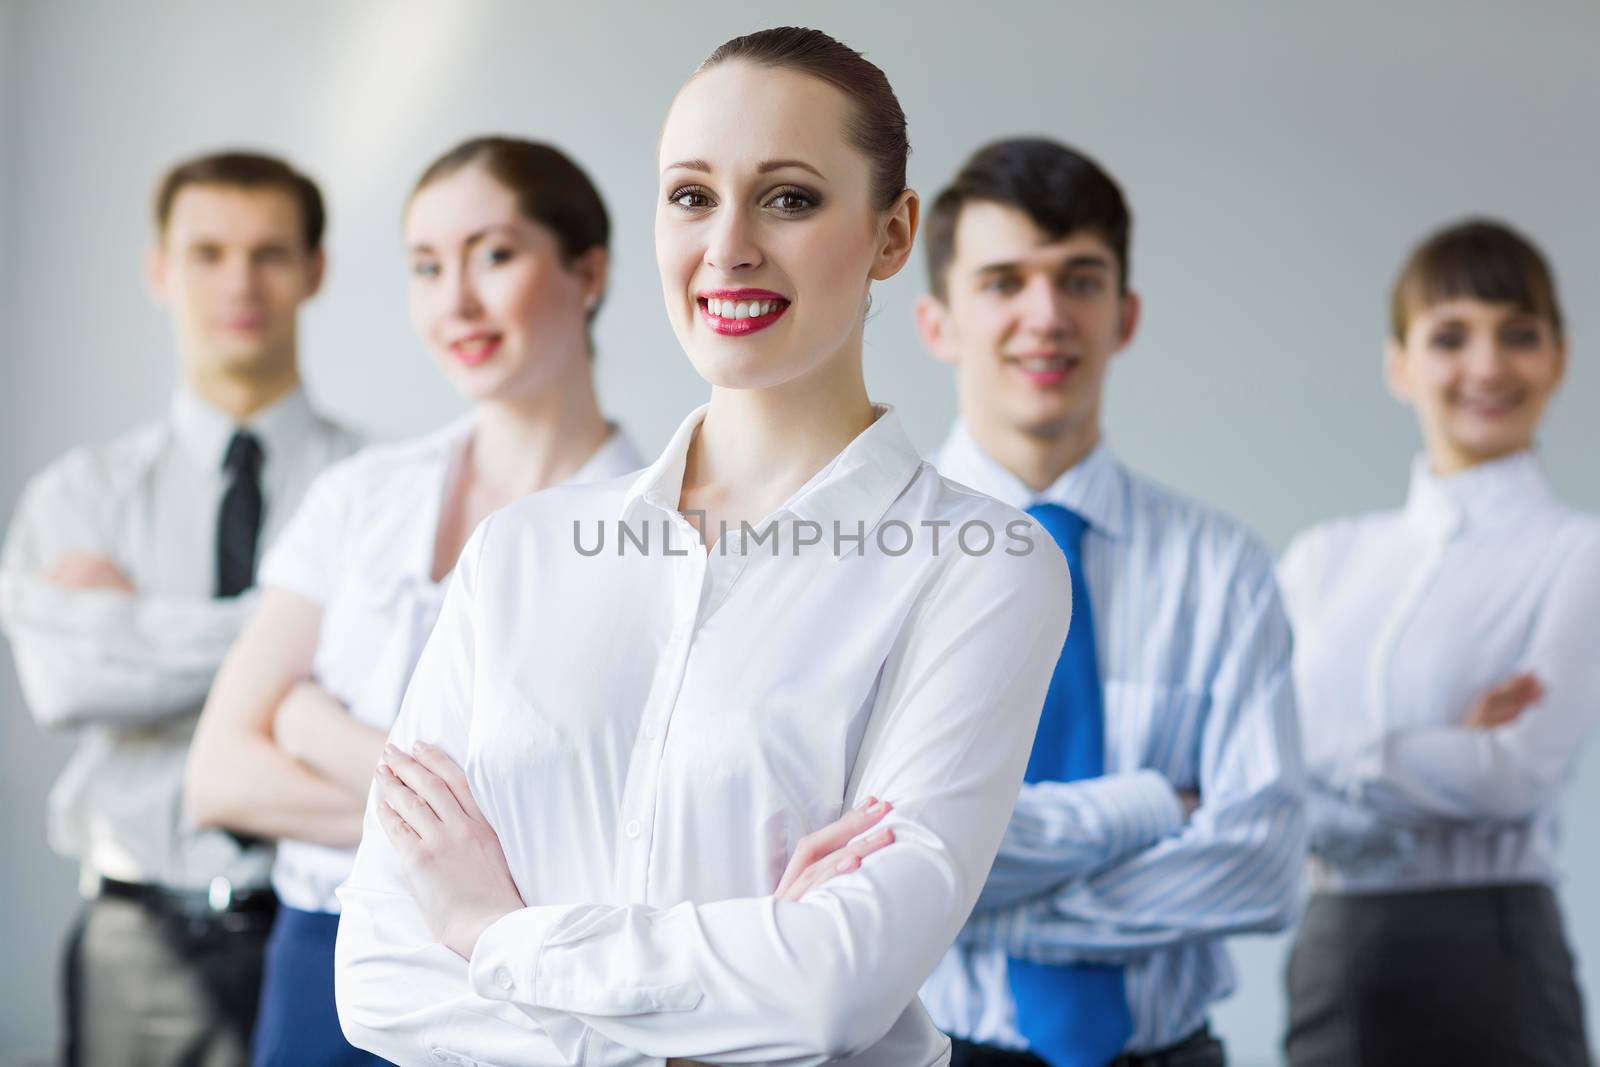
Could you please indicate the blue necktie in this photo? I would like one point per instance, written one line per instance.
(1073, 1015)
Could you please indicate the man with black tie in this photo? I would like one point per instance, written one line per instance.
(123, 581)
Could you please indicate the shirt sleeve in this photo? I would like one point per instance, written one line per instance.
(305, 557)
(400, 994)
(1064, 830)
(1238, 864)
(759, 980)
(1509, 772)
(100, 656)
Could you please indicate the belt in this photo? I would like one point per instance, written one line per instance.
(194, 904)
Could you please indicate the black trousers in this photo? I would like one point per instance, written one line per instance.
(1199, 1049)
(1442, 977)
(145, 989)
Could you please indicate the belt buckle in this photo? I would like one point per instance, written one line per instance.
(220, 895)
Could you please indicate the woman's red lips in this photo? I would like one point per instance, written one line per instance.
(476, 348)
(736, 312)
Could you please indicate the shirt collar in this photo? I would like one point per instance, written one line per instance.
(858, 484)
(1096, 487)
(1479, 496)
(205, 430)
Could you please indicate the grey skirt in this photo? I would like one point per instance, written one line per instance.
(1454, 977)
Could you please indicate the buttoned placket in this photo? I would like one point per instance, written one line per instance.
(1438, 531)
(701, 581)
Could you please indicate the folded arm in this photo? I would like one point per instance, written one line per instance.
(1507, 772)
(237, 775)
(1235, 867)
(753, 980)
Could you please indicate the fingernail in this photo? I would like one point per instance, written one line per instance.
(868, 803)
(878, 807)
(419, 748)
(390, 749)
(885, 836)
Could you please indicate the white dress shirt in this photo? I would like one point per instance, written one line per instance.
(1194, 656)
(362, 546)
(129, 673)
(651, 735)
(1402, 620)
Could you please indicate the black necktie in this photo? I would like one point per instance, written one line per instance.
(240, 521)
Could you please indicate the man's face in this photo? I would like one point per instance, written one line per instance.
(233, 269)
(1030, 323)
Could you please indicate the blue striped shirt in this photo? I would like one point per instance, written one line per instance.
(1194, 657)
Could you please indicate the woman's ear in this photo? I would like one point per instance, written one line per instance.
(899, 234)
(592, 268)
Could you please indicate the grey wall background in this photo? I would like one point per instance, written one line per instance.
(1280, 159)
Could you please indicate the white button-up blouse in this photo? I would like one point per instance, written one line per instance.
(1402, 620)
(651, 728)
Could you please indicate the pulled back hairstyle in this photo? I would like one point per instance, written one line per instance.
(878, 127)
(549, 189)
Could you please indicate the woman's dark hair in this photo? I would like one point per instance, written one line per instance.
(878, 128)
(1060, 189)
(1481, 259)
(549, 188)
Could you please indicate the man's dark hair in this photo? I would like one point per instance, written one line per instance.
(1062, 190)
(245, 170)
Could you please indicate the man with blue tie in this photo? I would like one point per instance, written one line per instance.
(1161, 809)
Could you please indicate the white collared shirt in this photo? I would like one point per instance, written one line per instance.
(1194, 656)
(130, 673)
(651, 735)
(1402, 620)
(362, 546)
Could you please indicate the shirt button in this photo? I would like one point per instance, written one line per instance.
(502, 978)
(632, 829)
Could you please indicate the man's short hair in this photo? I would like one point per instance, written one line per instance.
(1062, 190)
(245, 170)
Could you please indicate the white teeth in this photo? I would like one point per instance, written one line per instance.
(714, 306)
(741, 310)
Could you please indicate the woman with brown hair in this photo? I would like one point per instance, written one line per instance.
(605, 758)
(1446, 667)
(507, 242)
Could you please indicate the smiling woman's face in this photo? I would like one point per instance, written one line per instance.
(1479, 375)
(766, 238)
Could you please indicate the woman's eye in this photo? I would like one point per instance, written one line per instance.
(792, 201)
(424, 270)
(1520, 337)
(1002, 285)
(1448, 341)
(496, 256)
(690, 199)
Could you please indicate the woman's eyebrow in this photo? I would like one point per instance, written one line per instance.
(766, 167)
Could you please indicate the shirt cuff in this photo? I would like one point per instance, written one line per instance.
(537, 957)
(1143, 807)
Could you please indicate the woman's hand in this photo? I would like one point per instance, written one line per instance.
(451, 856)
(835, 849)
(1505, 702)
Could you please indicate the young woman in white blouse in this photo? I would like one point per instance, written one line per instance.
(617, 751)
(1446, 665)
(508, 259)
